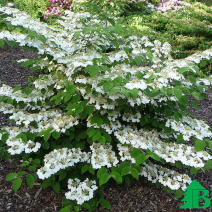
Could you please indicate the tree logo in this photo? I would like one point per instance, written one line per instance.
(193, 194)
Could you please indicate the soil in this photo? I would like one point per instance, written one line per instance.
(138, 197)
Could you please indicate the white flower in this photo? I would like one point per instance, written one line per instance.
(80, 191)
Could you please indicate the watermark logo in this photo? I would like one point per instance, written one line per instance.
(196, 196)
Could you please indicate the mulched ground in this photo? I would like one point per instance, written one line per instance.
(139, 197)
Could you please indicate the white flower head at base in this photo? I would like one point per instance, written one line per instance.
(81, 191)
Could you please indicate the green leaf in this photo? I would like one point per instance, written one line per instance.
(67, 97)
(16, 184)
(22, 136)
(27, 91)
(179, 194)
(11, 176)
(1, 43)
(107, 86)
(138, 60)
(104, 203)
(46, 134)
(178, 93)
(45, 145)
(27, 63)
(102, 140)
(125, 171)
(192, 79)
(97, 119)
(134, 92)
(208, 165)
(32, 168)
(194, 170)
(30, 180)
(92, 70)
(36, 162)
(91, 132)
(46, 184)
(62, 175)
(134, 172)
(21, 173)
(199, 145)
(104, 178)
(196, 95)
(66, 209)
(101, 171)
(139, 156)
(87, 168)
(154, 156)
(96, 136)
(56, 187)
(55, 135)
(209, 143)
(116, 176)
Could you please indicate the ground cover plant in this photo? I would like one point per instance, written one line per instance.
(108, 106)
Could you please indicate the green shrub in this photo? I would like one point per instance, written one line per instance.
(33, 7)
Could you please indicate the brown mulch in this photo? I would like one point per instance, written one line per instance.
(138, 197)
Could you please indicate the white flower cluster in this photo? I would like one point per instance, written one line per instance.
(44, 82)
(61, 159)
(7, 108)
(81, 191)
(170, 152)
(109, 128)
(22, 117)
(17, 145)
(198, 57)
(124, 153)
(98, 101)
(19, 96)
(102, 155)
(166, 177)
(206, 81)
(189, 127)
(128, 117)
(52, 119)
(45, 121)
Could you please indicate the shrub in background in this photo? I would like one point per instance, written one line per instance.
(183, 33)
(108, 106)
(58, 7)
(33, 7)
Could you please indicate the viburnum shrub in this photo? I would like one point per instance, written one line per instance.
(107, 106)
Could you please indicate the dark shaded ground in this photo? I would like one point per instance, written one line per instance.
(139, 197)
